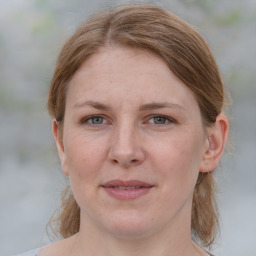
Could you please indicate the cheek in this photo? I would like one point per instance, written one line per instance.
(178, 176)
(177, 152)
(84, 158)
(178, 159)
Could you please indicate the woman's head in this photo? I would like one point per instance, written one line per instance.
(145, 28)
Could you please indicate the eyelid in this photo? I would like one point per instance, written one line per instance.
(169, 119)
(90, 117)
(85, 120)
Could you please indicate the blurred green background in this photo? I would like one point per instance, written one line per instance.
(31, 35)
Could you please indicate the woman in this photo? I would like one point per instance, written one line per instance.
(136, 101)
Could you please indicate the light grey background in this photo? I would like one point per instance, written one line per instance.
(31, 34)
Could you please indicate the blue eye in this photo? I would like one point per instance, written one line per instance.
(160, 120)
(94, 120)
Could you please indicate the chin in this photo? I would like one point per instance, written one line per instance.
(129, 227)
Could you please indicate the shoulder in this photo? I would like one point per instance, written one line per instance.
(62, 247)
(57, 248)
(29, 253)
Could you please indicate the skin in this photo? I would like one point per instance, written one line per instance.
(129, 117)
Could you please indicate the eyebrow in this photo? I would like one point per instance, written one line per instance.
(144, 107)
(91, 103)
(158, 105)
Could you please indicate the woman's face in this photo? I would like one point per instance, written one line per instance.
(133, 143)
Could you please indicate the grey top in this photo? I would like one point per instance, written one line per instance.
(29, 253)
(35, 251)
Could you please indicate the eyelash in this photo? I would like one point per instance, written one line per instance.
(89, 120)
(167, 120)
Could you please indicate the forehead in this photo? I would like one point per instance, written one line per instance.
(127, 74)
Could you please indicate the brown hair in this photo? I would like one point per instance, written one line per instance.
(187, 55)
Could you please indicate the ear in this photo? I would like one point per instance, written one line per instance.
(217, 136)
(60, 146)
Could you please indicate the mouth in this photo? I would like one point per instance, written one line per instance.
(127, 190)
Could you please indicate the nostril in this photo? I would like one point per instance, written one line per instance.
(133, 161)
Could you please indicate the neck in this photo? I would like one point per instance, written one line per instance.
(166, 242)
(127, 247)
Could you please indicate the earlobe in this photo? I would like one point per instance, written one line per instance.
(60, 146)
(217, 136)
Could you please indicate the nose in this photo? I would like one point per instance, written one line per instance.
(126, 147)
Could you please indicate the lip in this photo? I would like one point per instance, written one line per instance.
(127, 190)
